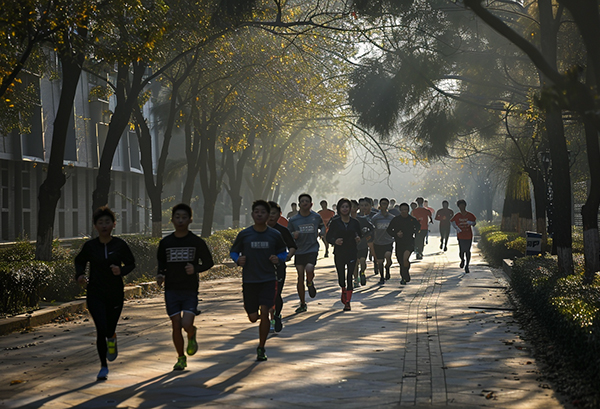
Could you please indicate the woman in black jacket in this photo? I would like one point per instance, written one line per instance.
(344, 233)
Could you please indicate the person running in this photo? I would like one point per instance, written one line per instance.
(110, 260)
(258, 249)
(305, 228)
(274, 215)
(343, 234)
(372, 211)
(423, 215)
(392, 208)
(181, 256)
(326, 214)
(462, 222)
(432, 211)
(382, 241)
(413, 206)
(403, 229)
(366, 241)
(293, 212)
(444, 215)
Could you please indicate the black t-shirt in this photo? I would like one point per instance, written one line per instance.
(409, 226)
(101, 256)
(346, 231)
(289, 243)
(173, 255)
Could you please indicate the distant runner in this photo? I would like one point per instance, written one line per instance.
(383, 242)
(444, 215)
(403, 229)
(462, 222)
(424, 217)
(326, 214)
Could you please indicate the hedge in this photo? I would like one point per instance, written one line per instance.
(566, 308)
(26, 281)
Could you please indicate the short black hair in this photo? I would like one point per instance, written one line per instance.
(461, 201)
(262, 203)
(294, 204)
(323, 201)
(354, 202)
(403, 204)
(103, 211)
(305, 194)
(384, 199)
(419, 199)
(182, 206)
(445, 201)
(274, 205)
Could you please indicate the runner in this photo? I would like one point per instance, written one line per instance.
(413, 206)
(258, 249)
(423, 215)
(110, 259)
(274, 214)
(293, 212)
(326, 214)
(432, 211)
(462, 222)
(181, 256)
(444, 215)
(392, 208)
(305, 228)
(383, 242)
(366, 242)
(371, 213)
(344, 233)
(403, 229)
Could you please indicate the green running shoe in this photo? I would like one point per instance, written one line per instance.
(272, 328)
(302, 308)
(260, 354)
(192, 344)
(181, 363)
(111, 349)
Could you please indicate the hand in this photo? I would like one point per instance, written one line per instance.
(189, 269)
(339, 241)
(160, 279)
(296, 234)
(274, 259)
(470, 223)
(116, 270)
(458, 230)
(400, 234)
(82, 280)
(357, 239)
(241, 261)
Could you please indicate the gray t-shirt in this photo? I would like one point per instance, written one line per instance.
(381, 224)
(308, 227)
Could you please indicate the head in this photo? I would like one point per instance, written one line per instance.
(404, 209)
(294, 206)
(260, 211)
(462, 205)
(413, 205)
(383, 204)
(425, 203)
(419, 201)
(274, 213)
(305, 201)
(445, 204)
(365, 205)
(392, 203)
(181, 216)
(344, 206)
(323, 204)
(104, 220)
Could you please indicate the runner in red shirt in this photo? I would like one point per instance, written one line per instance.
(432, 211)
(444, 215)
(462, 222)
(423, 215)
(326, 214)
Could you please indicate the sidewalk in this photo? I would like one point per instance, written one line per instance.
(445, 339)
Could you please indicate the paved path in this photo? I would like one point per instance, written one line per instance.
(445, 339)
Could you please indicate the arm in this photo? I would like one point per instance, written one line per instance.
(81, 261)
(127, 259)
(204, 256)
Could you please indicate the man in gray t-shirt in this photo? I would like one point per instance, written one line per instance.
(382, 241)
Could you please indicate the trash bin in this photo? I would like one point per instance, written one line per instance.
(534, 243)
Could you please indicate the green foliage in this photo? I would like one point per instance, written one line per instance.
(22, 283)
(220, 243)
(567, 309)
(497, 245)
(144, 250)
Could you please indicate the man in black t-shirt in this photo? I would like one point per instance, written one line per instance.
(181, 256)
(403, 229)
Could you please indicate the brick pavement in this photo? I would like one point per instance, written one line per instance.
(445, 339)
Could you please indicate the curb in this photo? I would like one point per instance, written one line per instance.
(47, 314)
(507, 265)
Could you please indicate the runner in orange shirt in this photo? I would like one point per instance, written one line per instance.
(423, 215)
(444, 215)
(462, 222)
(326, 214)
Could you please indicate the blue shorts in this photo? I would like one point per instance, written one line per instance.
(178, 301)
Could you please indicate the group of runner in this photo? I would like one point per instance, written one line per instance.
(356, 229)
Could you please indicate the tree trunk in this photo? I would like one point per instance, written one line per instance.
(50, 190)
(209, 179)
(118, 123)
(539, 194)
(589, 211)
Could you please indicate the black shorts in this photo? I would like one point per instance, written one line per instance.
(362, 253)
(304, 259)
(257, 294)
(381, 249)
(178, 301)
(464, 245)
(401, 248)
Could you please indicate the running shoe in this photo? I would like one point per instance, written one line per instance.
(111, 349)
(261, 354)
(326, 254)
(192, 344)
(387, 273)
(278, 326)
(467, 269)
(272, 327)
(302, 308)
(181, 363)
(402, 282)
(363, 279)
(419, 256)
(381, 280)
(462, 263)
(356, 282)
(441, 246)
(312, 291)
(103, 374)
(347, 307)
(445, 248)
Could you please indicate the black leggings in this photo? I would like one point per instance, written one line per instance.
(278, 299)
(105, 313)
(345, 278)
